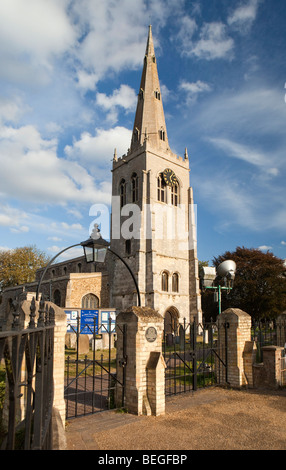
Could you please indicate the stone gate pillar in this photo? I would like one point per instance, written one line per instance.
(139, 360)
(234, 341)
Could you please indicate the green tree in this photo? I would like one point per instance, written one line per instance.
(19, 266)
(202, 264)
(260, 282)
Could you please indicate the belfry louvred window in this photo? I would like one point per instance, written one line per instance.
(135, 187)
(161, 189)
(122, 191)
(175, 195)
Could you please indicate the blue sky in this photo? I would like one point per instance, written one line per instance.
(69, 78)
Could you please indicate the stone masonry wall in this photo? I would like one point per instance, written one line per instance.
(141, 396)
(238, 324)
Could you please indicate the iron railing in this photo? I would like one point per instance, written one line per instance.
(267, 332)
(195, 356)
(91, 382)
(27, 355)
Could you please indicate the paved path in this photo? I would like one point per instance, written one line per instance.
(210, 419)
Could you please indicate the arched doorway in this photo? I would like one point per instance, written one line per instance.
(171, 320)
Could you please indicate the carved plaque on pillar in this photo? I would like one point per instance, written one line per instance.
(151, 334)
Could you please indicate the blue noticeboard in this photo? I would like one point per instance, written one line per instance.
(71, 320)
(88, 321)
(107, 315)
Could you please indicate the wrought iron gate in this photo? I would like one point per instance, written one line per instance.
(195, 355)
(28, 359)
(90, 379)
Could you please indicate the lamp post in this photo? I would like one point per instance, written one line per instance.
(226, 270)
(95, 249)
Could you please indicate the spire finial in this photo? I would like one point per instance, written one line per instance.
(150, 46)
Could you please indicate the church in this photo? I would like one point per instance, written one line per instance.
(153, 226)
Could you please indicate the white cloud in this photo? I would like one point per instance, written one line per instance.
(72, 253)
(212, 42)
(256, 112)
(106, 46)
(54, 249)
(11, 109)
(188, 27)
(32, 33)
(225, 197)
(53, 128)
(66, 226)
(125, 97)
(6, 220)
(14, 219)
(194, 89)
(246, 125)
(55, 239)
(99, 148)
(244, 15)
(265, 248)
(55, 230)
(87, 81)
(11, 217)
(114, 34)
(245, 153)
(32, 171)
(75, 252)
(22, 229)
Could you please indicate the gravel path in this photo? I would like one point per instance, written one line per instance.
(210, 419)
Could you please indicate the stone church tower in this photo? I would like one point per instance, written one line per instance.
(153, 222)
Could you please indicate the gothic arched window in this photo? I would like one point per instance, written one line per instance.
(57, 297)
(135, 187)
(175, 282)
(122, 193)
(90, 302)
(165, 281)
(175, 194)
(161, 189)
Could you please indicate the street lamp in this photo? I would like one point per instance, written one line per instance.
(226, 271)
(95, 249)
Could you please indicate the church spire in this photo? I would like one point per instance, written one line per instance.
(150, 45)
(149, 120)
